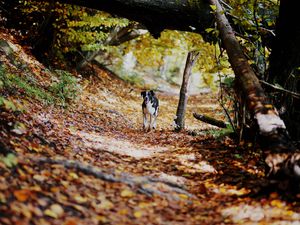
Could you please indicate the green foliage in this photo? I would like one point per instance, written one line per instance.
(10, 160)
(150, 51)
(133, 79)
(7, 104)
(254, 14)
(12, 82)
(61, 91)
(74, 28)
(165, 57)
(65, 88)
(221, 133)
(255, 20)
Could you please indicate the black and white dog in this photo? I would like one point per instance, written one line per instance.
(150, 107)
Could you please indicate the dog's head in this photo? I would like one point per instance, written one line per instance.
(147, 95)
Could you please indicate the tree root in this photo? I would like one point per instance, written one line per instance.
(143, 184)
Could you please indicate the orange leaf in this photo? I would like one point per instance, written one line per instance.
(22, 195)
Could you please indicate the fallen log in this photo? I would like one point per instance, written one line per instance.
(210, 120)
(279, 152)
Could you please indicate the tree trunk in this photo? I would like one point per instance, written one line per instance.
(183, 96)
(279, 154)
(284, 64)
(156, 15)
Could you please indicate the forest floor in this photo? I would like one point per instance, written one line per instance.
(91, 162)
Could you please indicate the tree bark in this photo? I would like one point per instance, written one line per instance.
(156, 15)
(282, 162)
(183, 96)
(284, 64)
(210, 120)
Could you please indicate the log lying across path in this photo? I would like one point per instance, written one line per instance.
(280, 155)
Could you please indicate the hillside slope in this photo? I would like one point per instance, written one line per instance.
(76, 154)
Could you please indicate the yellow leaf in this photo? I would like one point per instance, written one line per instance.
(138, 214)
(127, 193)
(268, 106)
(123, 212)
(106, 204)
(183, 196)
(289, 213)
(73, 175)
(143, 205)
(277, 203)
(102, 219)
(213, 7)
(55, 211)
(80, 199)
(48, 212)
(2, 198)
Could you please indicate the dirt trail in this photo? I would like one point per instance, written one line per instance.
(92, 164)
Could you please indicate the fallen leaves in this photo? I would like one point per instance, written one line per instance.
(127, 193)
(199, 180)
(244, 213)
(55, 211)
(22, 195)
(10, 160)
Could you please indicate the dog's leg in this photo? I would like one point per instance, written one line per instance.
(154, 122)
(151, 121)
(145, 123)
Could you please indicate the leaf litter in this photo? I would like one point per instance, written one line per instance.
(58, 159)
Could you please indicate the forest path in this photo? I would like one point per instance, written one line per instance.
(91, 163)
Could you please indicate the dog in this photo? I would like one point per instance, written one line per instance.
(150, 107)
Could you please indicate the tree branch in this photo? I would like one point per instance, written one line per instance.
(210, 120)
(294, 94)
(156, 15)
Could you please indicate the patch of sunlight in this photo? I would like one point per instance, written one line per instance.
(171, 178)
(278, 213)
(210, 106)
(192, 165)
(227, 190)
(119, 146)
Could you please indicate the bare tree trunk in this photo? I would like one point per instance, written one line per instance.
(284, 64)
(183, 96)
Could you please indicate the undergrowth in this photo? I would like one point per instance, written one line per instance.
(61, 92)
(66, 88)
(133, 79)
(221, 133)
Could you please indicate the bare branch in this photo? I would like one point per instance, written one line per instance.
(294, 94)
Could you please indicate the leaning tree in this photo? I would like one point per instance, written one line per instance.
(280, 155)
